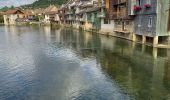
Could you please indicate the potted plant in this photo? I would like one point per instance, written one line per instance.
(147, 5)
(136, 8)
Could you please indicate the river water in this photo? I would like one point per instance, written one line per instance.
(44, 63)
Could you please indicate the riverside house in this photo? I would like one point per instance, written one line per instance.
(107, 24)
(82, 13)
(51, 14)
(115, 18)
(151, 22)
(11, 16)
(29, 14)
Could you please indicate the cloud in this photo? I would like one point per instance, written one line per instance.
(14, 2)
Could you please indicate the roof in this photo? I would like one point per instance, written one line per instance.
(51, 9)
(29, 12)
(93, 9)
(51, 12)
(13, 11)
(39, 11)
(90, 10)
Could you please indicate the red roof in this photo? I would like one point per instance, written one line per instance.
(14, 11)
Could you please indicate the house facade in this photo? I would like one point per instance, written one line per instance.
(11, 16)
(107, 23)
(51, 14)
(151, 20)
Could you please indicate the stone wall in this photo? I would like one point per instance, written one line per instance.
(143, 19)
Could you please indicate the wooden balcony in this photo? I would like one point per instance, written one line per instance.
(119, 15)
(119, 2)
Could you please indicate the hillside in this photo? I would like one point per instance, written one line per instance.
(45, 3)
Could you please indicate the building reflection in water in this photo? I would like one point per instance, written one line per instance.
(139, 70)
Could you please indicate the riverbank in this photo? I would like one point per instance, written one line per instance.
(127, 36)
(123, 35)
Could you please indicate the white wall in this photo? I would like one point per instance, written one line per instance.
(107, 27)
(11, 18)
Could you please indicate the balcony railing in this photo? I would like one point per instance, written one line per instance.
(118, 2)
(119, 15)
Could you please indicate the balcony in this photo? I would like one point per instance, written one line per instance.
(119, 15)
(119, 2)
(101, 15)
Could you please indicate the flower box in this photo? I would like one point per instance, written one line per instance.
(137, 8)
(147, 5)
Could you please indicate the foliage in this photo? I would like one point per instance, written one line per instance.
(45, 3)
(6, 8)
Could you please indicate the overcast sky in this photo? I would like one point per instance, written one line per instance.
(14, 2)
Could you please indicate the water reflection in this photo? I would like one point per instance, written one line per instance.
(39, 63)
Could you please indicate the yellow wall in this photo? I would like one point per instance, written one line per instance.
(107, 4)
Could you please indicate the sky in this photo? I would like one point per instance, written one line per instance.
(14, 2)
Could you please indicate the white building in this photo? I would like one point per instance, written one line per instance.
(11, 16)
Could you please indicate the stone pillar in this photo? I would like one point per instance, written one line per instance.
(155, 41)
(143, 39)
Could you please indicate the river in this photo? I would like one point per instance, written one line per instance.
(45, 63)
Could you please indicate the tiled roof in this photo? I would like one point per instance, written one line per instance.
(89, 10)
(13, 11)
(29, 12)
(39, 11)
(93, 9)
(51, 8)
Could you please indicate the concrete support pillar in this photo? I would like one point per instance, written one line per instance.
(133, 37)
(143, 39)
(155, 41)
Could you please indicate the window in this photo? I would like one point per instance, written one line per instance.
(148, 1)
(138, 2)
(150, 22)
(106, 21)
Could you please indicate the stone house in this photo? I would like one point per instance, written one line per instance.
(151, 21)
(11, 16)
(29, 14)
(107, 24)
(51, 14)
(115, 18)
